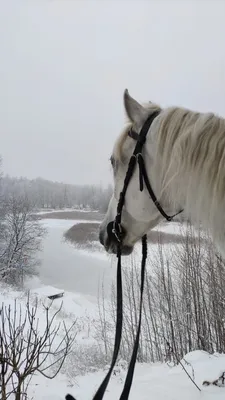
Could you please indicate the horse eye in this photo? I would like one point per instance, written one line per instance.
(112, 160)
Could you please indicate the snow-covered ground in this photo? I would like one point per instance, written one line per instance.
(51, 210)
(151, 381)
(155, 381)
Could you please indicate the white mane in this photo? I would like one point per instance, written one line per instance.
(191, 151)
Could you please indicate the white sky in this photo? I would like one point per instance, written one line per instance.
(65, 64)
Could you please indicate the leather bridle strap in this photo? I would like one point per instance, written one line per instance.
(141, 138)
(143, 176)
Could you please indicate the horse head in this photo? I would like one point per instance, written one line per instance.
(139, 213)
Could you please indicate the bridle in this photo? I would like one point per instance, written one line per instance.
(117, 232)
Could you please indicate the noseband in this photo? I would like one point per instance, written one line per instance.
(117, 232)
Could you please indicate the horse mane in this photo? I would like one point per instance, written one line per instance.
(191, 152)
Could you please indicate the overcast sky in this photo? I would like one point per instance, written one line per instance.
(65, 64)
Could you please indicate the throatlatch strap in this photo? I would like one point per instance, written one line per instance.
(144, 175)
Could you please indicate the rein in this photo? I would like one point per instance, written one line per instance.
(116, 231)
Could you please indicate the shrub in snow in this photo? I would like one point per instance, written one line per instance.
(28, 346)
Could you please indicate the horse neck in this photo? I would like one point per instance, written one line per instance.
(191, 190)
(187, 168)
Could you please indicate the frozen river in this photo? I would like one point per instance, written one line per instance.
(67, 268)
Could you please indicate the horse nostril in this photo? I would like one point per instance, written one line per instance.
(101, 237)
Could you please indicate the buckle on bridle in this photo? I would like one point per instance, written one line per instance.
(117, 231)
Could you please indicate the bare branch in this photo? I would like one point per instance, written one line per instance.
(25, 350)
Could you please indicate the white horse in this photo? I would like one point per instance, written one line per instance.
(184, 155)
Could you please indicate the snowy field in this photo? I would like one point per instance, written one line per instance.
(51, 210)
(155, 381)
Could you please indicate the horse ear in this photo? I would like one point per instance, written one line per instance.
(135, 111)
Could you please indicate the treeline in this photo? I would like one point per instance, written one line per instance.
(43, 193)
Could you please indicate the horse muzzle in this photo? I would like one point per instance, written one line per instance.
(113, 238)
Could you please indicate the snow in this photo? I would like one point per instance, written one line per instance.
(67, 267)
(176, 228)
(169, 227)
(49, 211)
(151, 381)
(156, 381)
(73, 303)
(65, 223)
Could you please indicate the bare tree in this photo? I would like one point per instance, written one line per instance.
(183, 301)
(27, 347)
(20, 239)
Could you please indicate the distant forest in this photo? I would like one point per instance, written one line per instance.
(43, 193)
